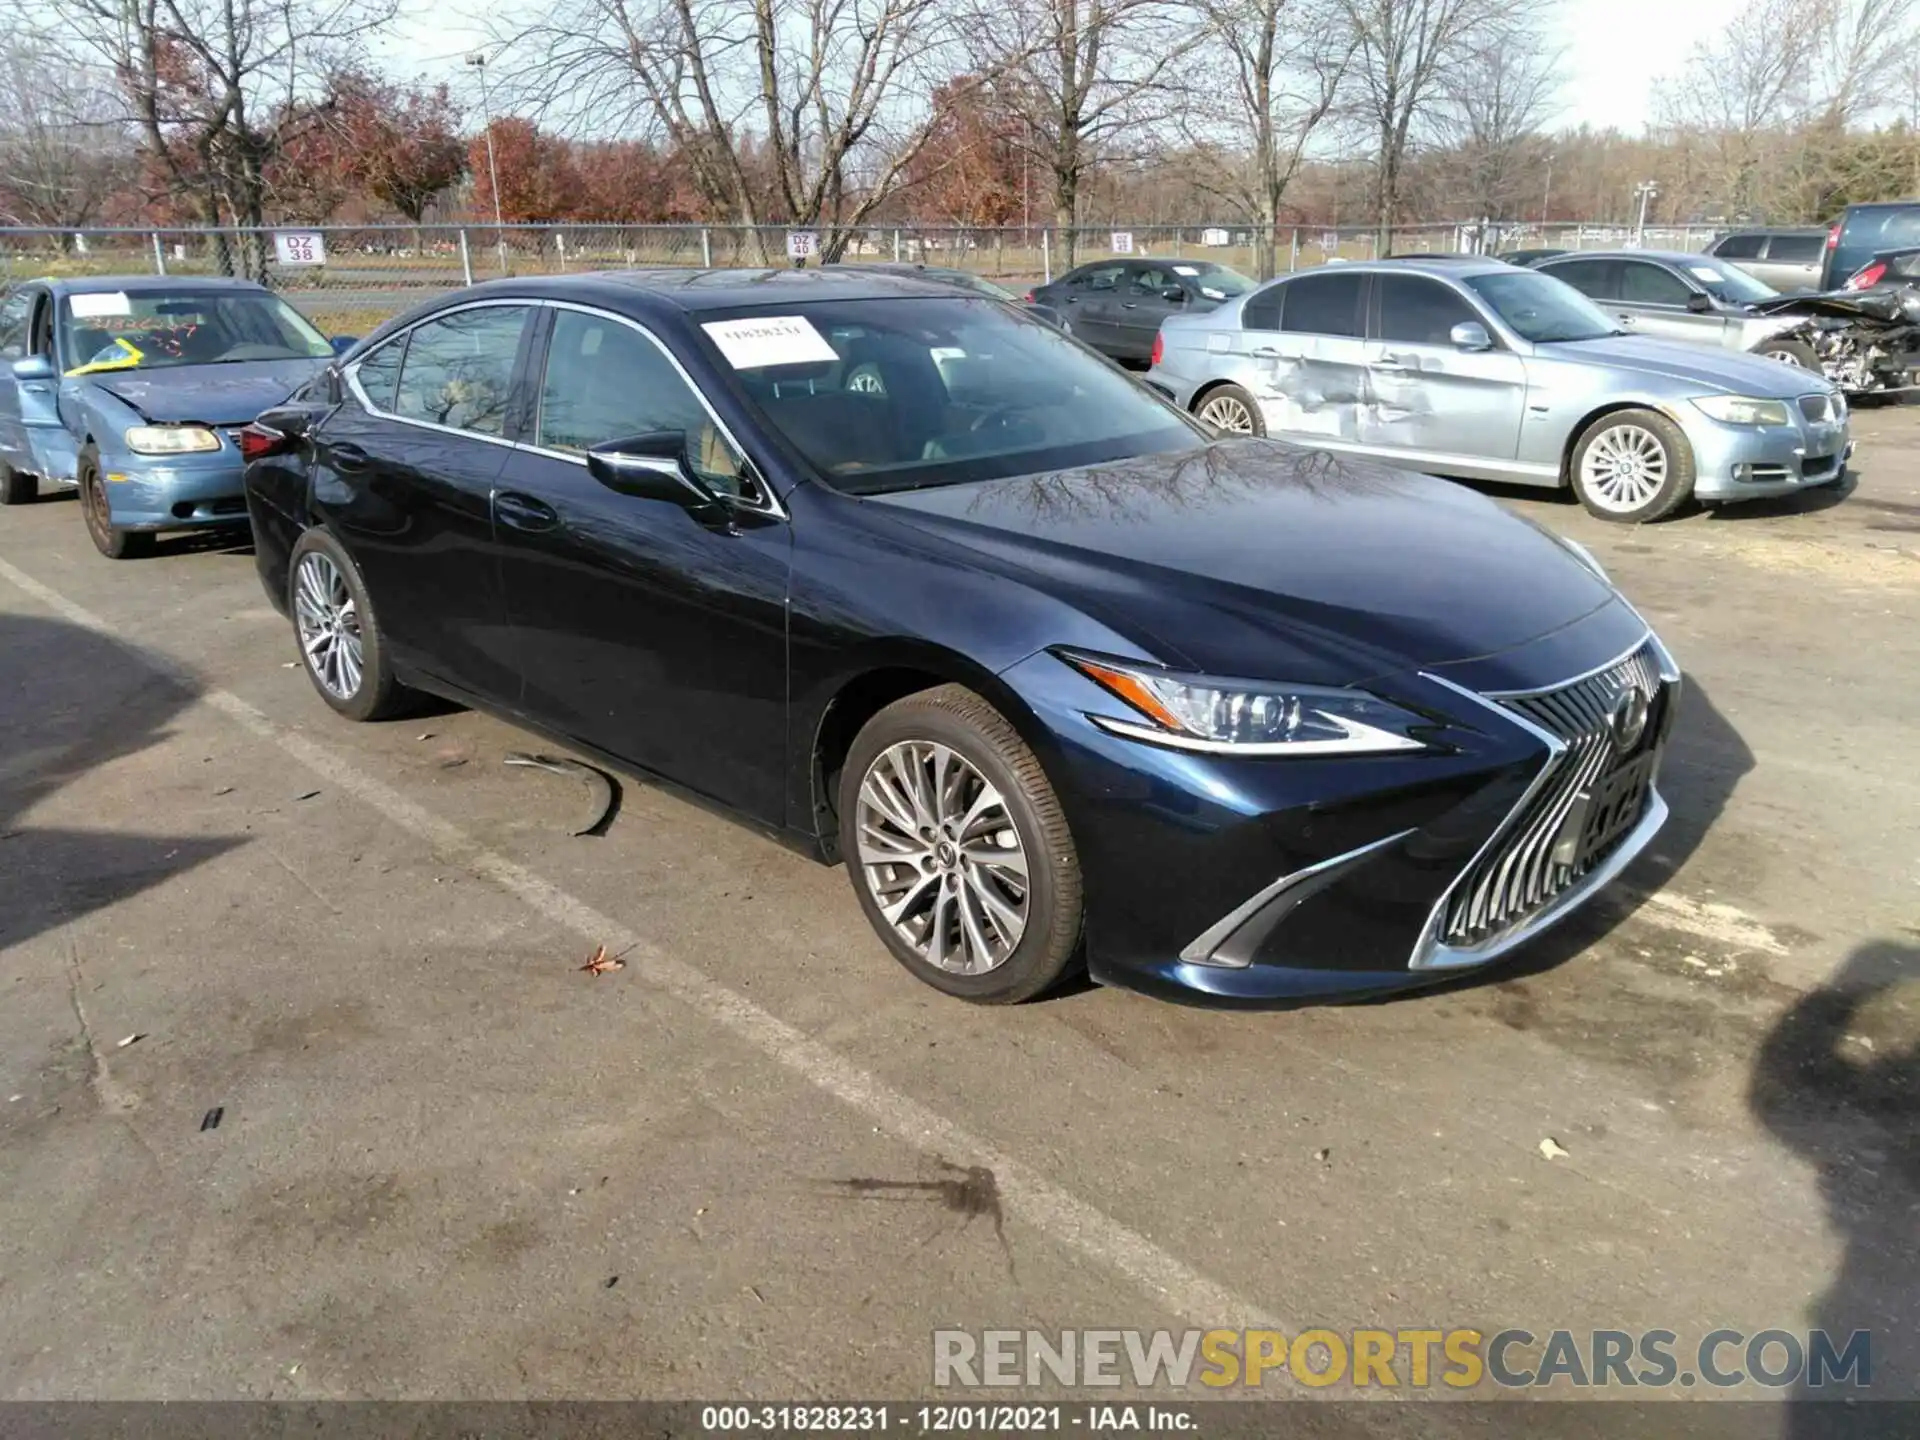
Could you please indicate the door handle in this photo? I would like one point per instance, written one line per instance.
(1130, 305)
(523, 512)
(1397, 363)
(1625, 319)
(348, 459)
(1267, 352)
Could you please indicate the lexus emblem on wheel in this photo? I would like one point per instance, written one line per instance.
(1629, 718)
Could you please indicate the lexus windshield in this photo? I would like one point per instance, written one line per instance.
(897, 394)
(1540, 308)
(146, 330)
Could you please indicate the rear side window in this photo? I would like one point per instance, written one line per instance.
(1906, 266)
(1324, 304)
(1596, 279)
(378, 375)
(1795, 249)
(1644, 284)
(1262, 311)
(459, 369)
(1739, 247)
(1417, 311)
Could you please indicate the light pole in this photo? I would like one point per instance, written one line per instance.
(1644, 192)
(479, 62)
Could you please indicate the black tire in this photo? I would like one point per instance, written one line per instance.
(1791, 352)
(957, 718)
(17, 487)
(1226, 397)
(376, 695)
(1675, 488)
(109, 539)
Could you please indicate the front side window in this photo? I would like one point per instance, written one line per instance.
(1418, 311)
(1727, 283)
(1644, 284)
(1324, 304)
(899, 394)
(155, 330)
(13, 324)
(458, 370)
(1150, 282)
(606, 381)
(1541, 308)
(1104, 277)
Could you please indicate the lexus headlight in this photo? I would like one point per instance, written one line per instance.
(1743, 410)
(171, 439)
(1242, 718)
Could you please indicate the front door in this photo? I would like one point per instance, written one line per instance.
(404, 474)
(1657, 298)
(1146, 298)
(1092, 306)
(641, 631)
(1438, 405)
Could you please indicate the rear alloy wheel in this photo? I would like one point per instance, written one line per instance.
(1791, 352)
(16, 486)
(110, 540)
(1231, 411)
(958, 850)
(1633, 466)
(339, 641)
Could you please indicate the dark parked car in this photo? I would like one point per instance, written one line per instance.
(959, 279)
(1863, 231)
(1116, 306)
(1058, 673)
(1888, 270)
(1527, 257)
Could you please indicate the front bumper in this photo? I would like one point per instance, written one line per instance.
(1223, 880)
(181, 493)
(1752, 463)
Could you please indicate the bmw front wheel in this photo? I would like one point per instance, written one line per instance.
(333, 620)
(1633, 466)
(958, 849)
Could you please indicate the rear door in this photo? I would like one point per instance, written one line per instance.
(404, 474)
(641, 631)
(1434, 403)
(1792, 262)
(1310, 375)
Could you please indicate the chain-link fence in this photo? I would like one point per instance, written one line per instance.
(351, 277)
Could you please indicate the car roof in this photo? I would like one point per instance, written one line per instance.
(146, 284)
(1774, 230)
(1670, 257)
(1450, 266)
(696, 290)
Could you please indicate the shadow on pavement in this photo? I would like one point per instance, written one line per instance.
(1837, 1081)
(75, 702)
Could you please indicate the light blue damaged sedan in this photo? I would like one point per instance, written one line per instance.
(1471, 368)
(134, 389)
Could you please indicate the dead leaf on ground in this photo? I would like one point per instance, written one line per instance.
(1552, 1149)
(601, 962)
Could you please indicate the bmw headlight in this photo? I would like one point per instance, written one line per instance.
(1743, 410)
(1248, 718)
(171, 439)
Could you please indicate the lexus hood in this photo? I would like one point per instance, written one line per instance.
(207, 394)
(1251, 558)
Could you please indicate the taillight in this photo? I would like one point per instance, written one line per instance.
(1159, 348)
(258, 441)
(1868, 278)
(1833, 238)
(1027, 298)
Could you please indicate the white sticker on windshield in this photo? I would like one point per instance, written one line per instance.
(1213, 294)
(1704, 272)
(942, 353)
(771, 340)
(1185, 270)
(97, 307)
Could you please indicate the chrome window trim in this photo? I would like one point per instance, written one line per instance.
(1204, 948)
(769, 505)
(351, 373)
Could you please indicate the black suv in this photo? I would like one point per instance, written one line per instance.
(1863, 231)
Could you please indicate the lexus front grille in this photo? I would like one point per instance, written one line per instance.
(1528, 864)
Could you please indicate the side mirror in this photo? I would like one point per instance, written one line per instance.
(35, 367)
(1470, 335)
(1174, 293)
(1700, 304)
(292, 421)
(343, 343)
(654, 466)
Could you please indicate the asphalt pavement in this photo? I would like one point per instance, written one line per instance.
(304, 1092)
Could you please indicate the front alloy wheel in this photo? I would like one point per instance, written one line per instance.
(1633, 466)
(958, 849)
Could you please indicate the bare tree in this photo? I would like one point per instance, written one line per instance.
(63, 149)
(1286, 60)
(1497, 98)
(1090, 80)
(1860, 48)
(215, 88)
(1408, 49)
(804, 111)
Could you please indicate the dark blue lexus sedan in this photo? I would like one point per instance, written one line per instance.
(920, 584)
